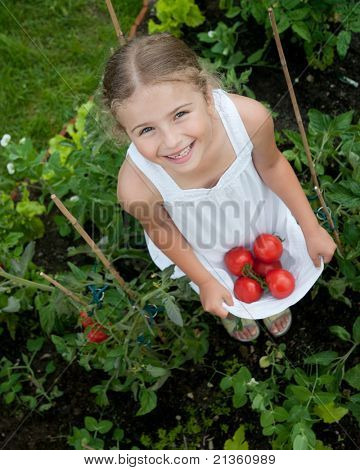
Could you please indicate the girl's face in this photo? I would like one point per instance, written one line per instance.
(170, 123)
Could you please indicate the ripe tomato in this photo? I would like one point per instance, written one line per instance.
(236, 258)
(267, 248)
(85, 319)
(280, 282)
(97, 335)
(247, 290)
(262, 268)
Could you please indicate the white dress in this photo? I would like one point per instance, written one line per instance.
(232, 213)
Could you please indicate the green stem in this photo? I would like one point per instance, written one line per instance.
(25, 282)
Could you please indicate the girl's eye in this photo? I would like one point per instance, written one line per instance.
(142, 131)
(181, 112)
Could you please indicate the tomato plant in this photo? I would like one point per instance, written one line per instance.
(247, 290)
(267, 248)
(97, 335)
(280, 282)
(237, 258)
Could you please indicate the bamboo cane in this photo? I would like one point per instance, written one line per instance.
(116, 24)
(65, 290)
(139, 19)
(93, 246)
(301, 128)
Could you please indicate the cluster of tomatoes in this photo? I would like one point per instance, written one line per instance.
(96, 333)
(260, 270)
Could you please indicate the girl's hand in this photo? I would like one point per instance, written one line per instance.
(320, 243)
(212, 295)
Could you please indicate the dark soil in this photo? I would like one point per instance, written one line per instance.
(309, 332)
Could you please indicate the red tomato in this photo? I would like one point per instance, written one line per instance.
(280, 282)
(86, 320)
(236, 259)
(267, 248)
(247, 290)
(262, 268)
(97, 335)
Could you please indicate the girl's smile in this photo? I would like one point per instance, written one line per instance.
(170, 123)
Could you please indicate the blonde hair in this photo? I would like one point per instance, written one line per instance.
(150, 60)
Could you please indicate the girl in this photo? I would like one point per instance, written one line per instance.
(203, 175)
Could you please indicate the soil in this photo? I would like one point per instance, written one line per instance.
(309, 333)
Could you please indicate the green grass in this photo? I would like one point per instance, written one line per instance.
(52, 54)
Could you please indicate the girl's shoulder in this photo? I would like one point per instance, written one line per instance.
(134, 187)
(252, 112)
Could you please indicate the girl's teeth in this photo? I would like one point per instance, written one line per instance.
(182, 153)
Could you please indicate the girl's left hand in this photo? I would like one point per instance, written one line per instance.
(320, 243)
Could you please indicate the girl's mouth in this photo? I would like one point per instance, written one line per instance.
(183, 156)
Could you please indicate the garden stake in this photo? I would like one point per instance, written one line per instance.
(138, 19)
(64, 289)
(116, 24)
(93, 246)
(301, 128)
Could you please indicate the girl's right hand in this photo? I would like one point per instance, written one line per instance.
(212, 294)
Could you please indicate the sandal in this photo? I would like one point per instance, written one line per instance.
(269, 321)
(232, 326)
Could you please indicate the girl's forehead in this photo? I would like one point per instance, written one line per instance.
(154, 100)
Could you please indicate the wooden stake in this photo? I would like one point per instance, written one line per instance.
(301, 128)
(64, 289)
(139, 19)
(119, 33)
(93, 246)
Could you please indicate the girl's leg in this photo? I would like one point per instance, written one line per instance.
(246, 332)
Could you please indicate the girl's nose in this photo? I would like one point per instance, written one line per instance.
(171, 141)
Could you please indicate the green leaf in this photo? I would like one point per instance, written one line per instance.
(343, 43)
(300, 443)
(35, 344)
(90, 423)
(148, 401)
(318, 122)
(118, 434)
(323, 358)
(302, 30)
(301, 393)
(104, 426)
(264, 362)
(226, 382)
(356, 330)
(78, 273)
(173, 311)
(352, 377)
(156, 371)
(238, 442)
(330, 413)
(340, 332)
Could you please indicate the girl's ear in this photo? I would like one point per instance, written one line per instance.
(210, 100)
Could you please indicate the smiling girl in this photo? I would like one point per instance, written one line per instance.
(203, 174)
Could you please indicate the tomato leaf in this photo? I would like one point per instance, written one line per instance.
(148, 401)
(340, 332)
(356, 330)
(330, 413)
(173, 311)
(323, 358)
(352, 377)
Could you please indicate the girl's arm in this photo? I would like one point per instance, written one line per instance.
(277, 173)
(138, 199)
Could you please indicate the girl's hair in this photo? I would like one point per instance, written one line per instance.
(150, 60)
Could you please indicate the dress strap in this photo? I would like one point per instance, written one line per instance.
(154, 172)
(233, 123)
